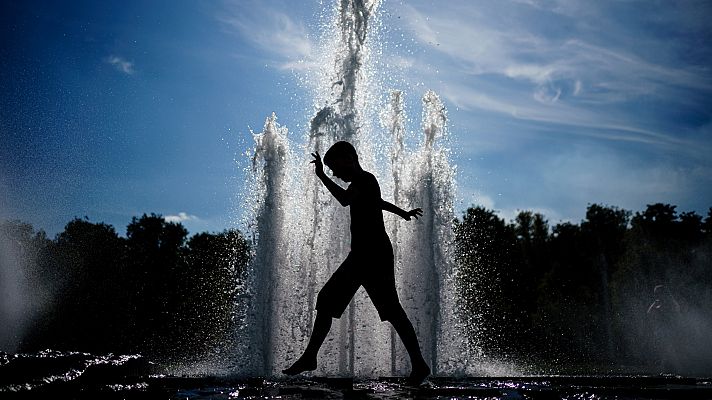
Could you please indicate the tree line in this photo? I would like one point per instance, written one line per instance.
(574, 294)
(583, 294)
(155, 291)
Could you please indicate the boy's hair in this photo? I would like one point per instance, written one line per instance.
(340, 149)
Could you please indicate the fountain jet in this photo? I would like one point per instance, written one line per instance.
(302, 234)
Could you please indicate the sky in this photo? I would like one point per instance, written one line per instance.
(109, 110)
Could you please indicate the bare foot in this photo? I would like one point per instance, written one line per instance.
(301, 365)
(419, 373)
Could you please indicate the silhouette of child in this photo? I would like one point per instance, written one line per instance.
(369, 264)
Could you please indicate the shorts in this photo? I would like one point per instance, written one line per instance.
(372, 269)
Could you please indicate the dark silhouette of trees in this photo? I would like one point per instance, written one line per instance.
(86, 261)
(578, 294)
(157, 249)
(21, 295)
(572, 294)
(214, 274)
(664, 248)
(484, 251)
(707, 225)
(156, 292)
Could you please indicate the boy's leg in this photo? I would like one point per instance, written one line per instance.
(331, 302)
(381, 287)
(307, 362)
(406, 332)
(322, 325)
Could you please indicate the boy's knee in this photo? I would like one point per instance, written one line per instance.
(394, 315)
(325, 305)
(322, 299)
(324, 315)
(398, 314)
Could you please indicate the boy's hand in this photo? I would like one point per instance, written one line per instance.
(417, 212)
(318, 165)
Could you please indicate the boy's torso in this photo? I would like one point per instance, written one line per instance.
(367, 227)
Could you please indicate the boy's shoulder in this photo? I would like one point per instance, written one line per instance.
(366, 178)
(365, 182)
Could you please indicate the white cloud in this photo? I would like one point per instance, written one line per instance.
(181, 217)
(274, 32)
(121, 64)
(522, 52)
(547, 108)
(495, 57)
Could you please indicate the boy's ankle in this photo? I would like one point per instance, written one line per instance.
(308, 357)
(302, 364)
(420, 371)
(418, 362)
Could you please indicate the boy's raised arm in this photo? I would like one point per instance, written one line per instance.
(406, 215)
(337, 191)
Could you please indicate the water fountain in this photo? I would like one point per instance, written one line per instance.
(302, 234)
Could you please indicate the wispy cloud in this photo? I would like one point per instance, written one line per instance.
(180, 217)
(547, 109)
(514, 58)
(522, 51)
(121, 64)
(272, 31)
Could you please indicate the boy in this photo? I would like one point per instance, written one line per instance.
(369, 264)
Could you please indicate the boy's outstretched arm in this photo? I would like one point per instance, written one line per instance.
(406, 215)
(337, 191)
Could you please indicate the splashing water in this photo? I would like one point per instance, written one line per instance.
(302, 234)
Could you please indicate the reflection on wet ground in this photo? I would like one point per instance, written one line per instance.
(551, 387)
(52, 374)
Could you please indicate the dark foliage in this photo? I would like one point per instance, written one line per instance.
(485, 254)
(573, 294)
(156, 292)
(580, 294)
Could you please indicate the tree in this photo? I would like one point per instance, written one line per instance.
(690, 227)
(530, 263)
(85, 270)
(154, 292)
(484, 252)
(656, 223)
(22, 289)
(156, 262)
(707, 225)
(661, 248)
(210, 287)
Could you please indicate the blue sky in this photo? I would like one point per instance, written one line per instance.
(112, 109)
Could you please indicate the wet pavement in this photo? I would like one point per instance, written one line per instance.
(55, 375)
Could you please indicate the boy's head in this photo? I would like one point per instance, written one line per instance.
(342, 159)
